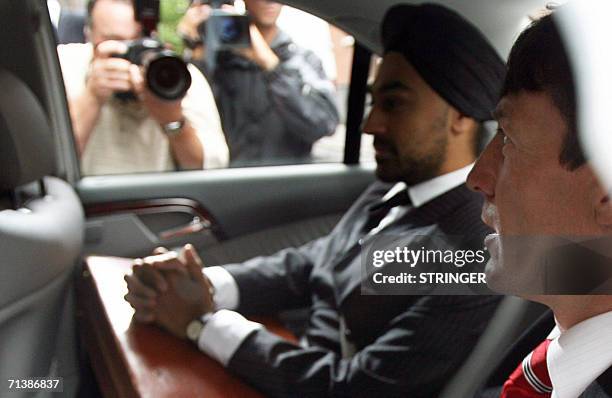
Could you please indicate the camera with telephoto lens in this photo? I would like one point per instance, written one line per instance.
(166, 74)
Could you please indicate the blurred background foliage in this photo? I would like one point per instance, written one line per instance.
(171, 12)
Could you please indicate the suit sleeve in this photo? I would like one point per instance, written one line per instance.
(415, 356)
(304, 97)
(279, 282)
(274, 283)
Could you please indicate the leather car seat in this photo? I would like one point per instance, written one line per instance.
(41, 236)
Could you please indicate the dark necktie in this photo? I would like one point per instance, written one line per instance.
(347, 278)
(380, 210)
(531, 378)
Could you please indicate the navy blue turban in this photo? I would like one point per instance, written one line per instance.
(450, 54)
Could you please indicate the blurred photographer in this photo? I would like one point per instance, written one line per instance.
(274, 98)
(120, 125)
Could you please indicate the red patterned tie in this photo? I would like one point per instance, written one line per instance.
(530, 379)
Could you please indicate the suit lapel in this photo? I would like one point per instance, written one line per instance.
(600, 388)
(347, 269)
(523, 346)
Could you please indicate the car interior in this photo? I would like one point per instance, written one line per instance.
(51, 218)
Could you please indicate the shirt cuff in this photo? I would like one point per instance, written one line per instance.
(223, 334)
(227, 295)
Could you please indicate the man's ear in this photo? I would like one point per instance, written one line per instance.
(461, 124)
(603, 206)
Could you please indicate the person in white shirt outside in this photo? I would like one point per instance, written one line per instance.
(146, 134)
(545, 201)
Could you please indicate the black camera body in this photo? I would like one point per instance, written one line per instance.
(166, 74)
(225, 30)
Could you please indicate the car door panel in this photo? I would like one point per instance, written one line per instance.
(264, 209)
(134, 228)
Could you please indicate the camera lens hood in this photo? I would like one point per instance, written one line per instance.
(167, 75)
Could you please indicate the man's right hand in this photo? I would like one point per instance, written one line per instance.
(195, 15)
(108, 74)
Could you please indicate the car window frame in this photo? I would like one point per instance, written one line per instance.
(61, 121)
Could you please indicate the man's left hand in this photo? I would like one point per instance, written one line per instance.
(260, 52)
(187, 297)
(170, 289)
(162, 111)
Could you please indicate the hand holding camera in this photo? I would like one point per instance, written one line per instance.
(162, 110)
(165, 73)
(140, 70)
(259, 51)
(108, 74)
(217, 26)
(188, 26)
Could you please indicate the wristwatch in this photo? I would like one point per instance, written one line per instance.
(194, 328)
(173, 128)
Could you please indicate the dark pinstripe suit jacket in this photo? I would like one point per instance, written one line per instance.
(407, 345)
(600, 388)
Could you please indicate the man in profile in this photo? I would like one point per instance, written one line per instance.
(274, 98)
(141, 132)
(426, 121)
(552, 217)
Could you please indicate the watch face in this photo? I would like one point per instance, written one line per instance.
(174, 128)
(174, 125)
(194, 329)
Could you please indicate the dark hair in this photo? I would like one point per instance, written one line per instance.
(92, 3)
(538, 62)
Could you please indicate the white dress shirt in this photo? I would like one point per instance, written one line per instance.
(226, 329)
(579, 355)
(422, 193)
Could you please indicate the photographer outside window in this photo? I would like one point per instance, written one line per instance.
(135, 106)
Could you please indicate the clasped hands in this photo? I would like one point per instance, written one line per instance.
(169, 289)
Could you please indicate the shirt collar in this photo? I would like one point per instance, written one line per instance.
(579, 355)
(426, 191)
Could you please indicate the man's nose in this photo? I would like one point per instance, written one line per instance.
(483, 176)
(374, 124)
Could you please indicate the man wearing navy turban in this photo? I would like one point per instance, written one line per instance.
(439, 79)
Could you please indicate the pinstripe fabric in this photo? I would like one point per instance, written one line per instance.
(407, 345)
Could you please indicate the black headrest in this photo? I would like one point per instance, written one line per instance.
(27, 148)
